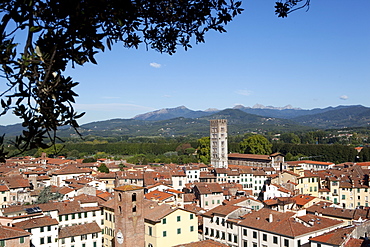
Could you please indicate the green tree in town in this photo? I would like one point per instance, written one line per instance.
(50, 151)
(103, 168)
(256, 144)
(46, 195)
(203, 150)
(290, 138)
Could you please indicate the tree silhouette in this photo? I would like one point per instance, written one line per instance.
(64, 33)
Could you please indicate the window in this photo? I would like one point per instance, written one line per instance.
(83, 245)
(42, 229)
(192, 228)
(164, 233)
(178, 218)
(42, 241)
(275, 240)
(286, 243)
(206, 232)
(133, 197)
(84, 236)
(73, 216)
(21, 240)
(66, 217)
(134, 209)
(85, 214)
(229, 237)
(245, 243)
(72, 239)
(343, 197)
(245, 232)
(264, 237)
(49, 228)
(164, 221)
(150, 231)
(2, 242)
(191, 216)
(178, 230)
(223, 235)
(254, 234)
(235, 238)
(63, 240)
(95, 244)
(79, 215)
(49, 239)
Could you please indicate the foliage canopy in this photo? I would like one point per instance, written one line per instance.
(62, 32)
(256, 144)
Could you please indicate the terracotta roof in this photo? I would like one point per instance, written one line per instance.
(128, 187)
(335, 237)
(355, 242)
(221, 210)
(15, 182)
(109, 204)
(250, 156)
(3, 187)
(154, 212)
(78, 230)
(158, 195)
(208, 188)
(70, 169)
(36, 223)
(285, 223)
(204, 243)
(303, 199)
(309, 162)
(7, 232)
(324, 209)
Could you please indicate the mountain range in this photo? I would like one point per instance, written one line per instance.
(182, 121)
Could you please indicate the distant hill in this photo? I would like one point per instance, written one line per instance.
(182, 121)
(339, 117)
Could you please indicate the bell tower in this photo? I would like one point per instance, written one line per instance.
(218, 142)
(129, 216)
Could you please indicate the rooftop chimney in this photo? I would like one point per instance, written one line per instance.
(270, 218)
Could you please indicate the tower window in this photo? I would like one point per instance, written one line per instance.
(134, 209)
(134, 197)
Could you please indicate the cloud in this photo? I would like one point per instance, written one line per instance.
(343, 97)
(155, 65)
(244, 92)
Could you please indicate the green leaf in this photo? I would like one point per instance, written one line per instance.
(35, 29)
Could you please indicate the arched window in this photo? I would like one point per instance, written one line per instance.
(119, 197)
(119, 209)
(134, 209)
(134, 197)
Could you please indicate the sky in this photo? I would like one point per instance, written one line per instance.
(312, 59)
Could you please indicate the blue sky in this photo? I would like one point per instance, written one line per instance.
(311, 59)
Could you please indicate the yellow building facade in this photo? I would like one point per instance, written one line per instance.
(178, 226)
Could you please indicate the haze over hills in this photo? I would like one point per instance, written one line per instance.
(183, 121)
